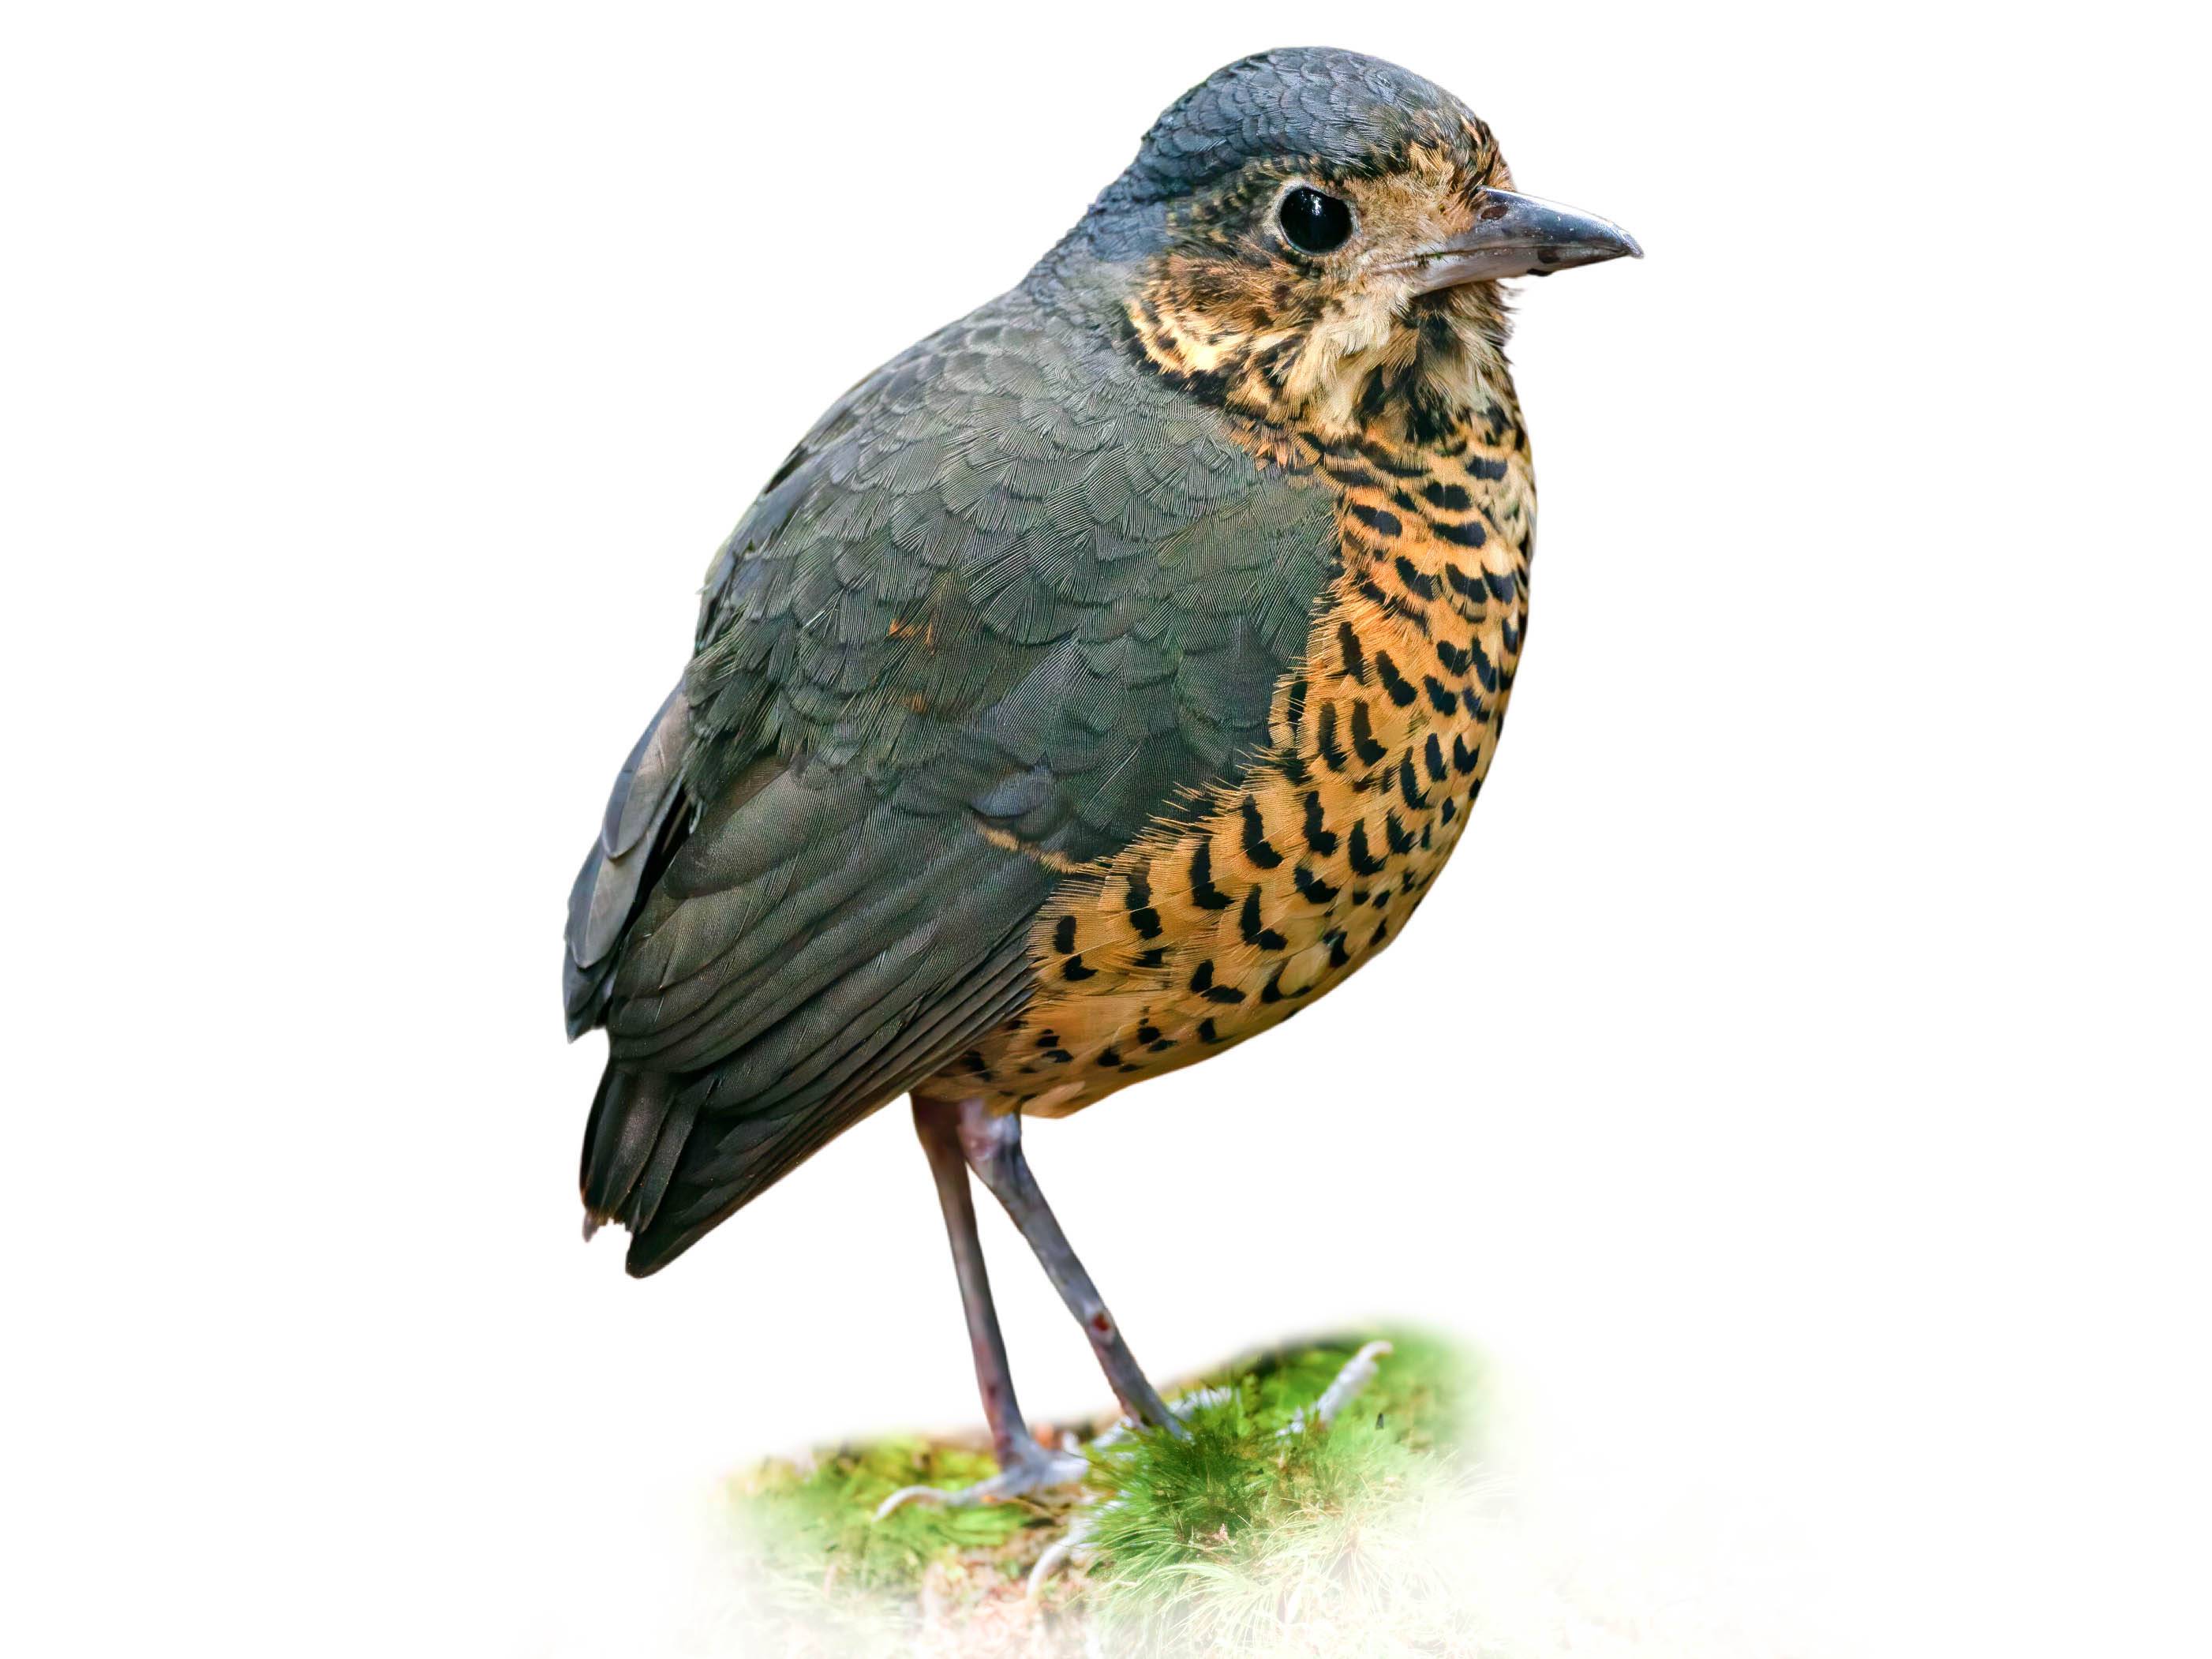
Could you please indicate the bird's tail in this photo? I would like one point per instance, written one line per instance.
(631, 1147)
(648, 1166)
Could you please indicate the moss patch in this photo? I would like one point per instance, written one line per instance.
(1237, 1539)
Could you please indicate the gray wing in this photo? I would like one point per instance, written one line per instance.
(1009, 602)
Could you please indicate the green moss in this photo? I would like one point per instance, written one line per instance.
(822, 1523)
(1211, 1541)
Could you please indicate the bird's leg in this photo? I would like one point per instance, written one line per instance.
(938, 1125)
(1023, 1466)
(992, 1144)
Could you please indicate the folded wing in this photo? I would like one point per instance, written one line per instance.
(1010, 601)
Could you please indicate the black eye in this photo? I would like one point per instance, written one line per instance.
(1313, 221)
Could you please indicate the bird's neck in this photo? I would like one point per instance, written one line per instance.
(1435, 517)
(1358, 367)
(1411, 421)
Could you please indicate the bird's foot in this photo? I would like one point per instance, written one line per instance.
(1032, 1470)
(1177, 1409)
(1356, 1374)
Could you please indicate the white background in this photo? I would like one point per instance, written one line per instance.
(1796, 1086)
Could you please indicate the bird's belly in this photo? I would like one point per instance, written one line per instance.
(1208, 931)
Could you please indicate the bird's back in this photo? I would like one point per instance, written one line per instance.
(1012, 602)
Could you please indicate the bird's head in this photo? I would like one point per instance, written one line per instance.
(1312, 238)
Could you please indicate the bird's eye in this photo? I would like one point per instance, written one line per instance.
(1314, 222)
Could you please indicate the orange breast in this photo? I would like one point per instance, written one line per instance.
(1204, 932)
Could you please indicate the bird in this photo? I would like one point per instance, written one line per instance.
(1098, 684)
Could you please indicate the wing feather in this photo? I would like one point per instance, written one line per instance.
(1009, 583)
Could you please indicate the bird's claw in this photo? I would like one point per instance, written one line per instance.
(1034, 1470)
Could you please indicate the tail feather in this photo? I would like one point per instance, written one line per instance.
(756, 1151)
(660, 1170)
(632, 1116)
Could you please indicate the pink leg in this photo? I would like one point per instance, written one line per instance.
(1023, 1464)
(993, 1149)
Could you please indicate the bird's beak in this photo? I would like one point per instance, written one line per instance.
(1519, 236)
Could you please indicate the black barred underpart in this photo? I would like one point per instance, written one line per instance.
(1368, 785)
